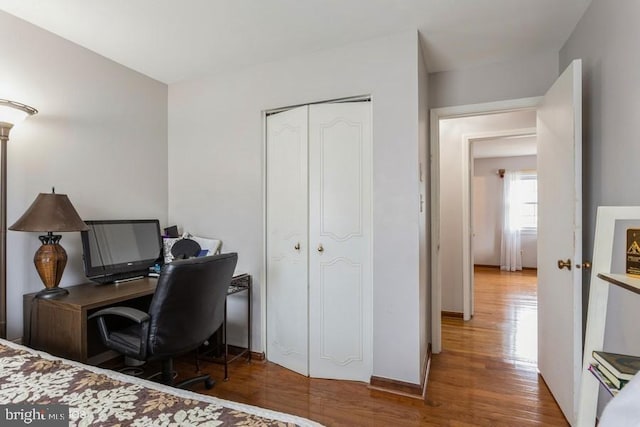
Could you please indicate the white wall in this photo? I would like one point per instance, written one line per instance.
(487, 215)
(523, 78)
(606, 40)
(100, 137)
(452, 133)
(216, 170)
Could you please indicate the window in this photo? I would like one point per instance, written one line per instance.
(527, 189)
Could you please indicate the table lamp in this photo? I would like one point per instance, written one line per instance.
(50, 212)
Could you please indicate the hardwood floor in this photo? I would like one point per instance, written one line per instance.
(486, 374)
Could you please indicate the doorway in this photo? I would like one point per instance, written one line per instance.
(453, 185)
(496, 158)
(506, 135)
(503, 223)
(559, 142)
(488, 152)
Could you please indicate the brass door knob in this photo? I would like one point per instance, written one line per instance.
(564, 264)
(586, 265)
(297, 246)
(320, 248)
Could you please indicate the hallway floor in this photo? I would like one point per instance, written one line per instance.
(486, 373)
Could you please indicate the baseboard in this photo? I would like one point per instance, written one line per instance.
(452, 314)
(235, 350)
(487, 266)
(416, 391)
(497, 267)
(260, 357)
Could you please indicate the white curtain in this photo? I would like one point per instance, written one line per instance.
(510, 248)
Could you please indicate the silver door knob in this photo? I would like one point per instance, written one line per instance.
(320, 248)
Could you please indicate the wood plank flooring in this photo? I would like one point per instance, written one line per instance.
(485, 376)
(486, 373)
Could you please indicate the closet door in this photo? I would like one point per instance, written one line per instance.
(340, 279)
(287, 227)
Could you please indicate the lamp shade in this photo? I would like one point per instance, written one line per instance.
(12, 112)
(50, 212)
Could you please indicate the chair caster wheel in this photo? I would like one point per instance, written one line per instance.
(209, 383)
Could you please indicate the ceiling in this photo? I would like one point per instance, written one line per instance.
(505, 147)
(174, 40)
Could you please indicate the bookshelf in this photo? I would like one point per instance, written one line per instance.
(629, 283)
(602, 279)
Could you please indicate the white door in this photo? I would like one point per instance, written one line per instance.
(560, 216)
(287, 315)
(319, 280)
(340, 280)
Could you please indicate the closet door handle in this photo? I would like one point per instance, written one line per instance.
(564, 264)
(297, 246)
(320, 248)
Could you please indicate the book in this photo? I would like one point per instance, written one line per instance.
(602, 379)
(633, 252)
(615, 381)
(623, 366)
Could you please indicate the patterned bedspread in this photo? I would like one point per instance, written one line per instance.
(98, 397)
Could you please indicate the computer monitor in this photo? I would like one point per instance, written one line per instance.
(120, 249)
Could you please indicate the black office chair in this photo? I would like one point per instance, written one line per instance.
(186, 309)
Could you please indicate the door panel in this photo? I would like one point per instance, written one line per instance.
(287, 214)
(560, 217)
(340, 287)
(340, 284)
(340, 185)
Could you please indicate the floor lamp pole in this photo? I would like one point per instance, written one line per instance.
(4, 138)
(11, 112)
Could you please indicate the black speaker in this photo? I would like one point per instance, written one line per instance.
(185, 248)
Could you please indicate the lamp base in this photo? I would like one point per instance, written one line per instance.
(52, 293)
(50, 260)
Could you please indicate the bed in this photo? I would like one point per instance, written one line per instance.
(99, 397)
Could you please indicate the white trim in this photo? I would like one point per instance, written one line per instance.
(438, 114)
(263, 272)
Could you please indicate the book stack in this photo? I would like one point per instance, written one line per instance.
(617, 369)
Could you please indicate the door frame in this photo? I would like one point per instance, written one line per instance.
(467, 207)
(436, 115)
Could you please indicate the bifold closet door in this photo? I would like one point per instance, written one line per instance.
(319, 281)
(287, 228)
(340, 279)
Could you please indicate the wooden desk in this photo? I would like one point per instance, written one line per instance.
(59, 326)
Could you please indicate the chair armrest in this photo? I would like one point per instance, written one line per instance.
(130, 313)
